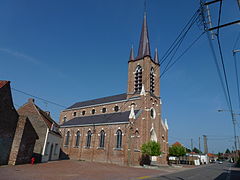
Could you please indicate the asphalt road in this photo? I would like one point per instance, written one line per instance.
(208, 172)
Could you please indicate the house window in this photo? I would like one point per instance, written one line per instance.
(138, 79)
(116, 108)
(77, 139)
(119, 139)
(102, 138)
(152, 80)
(55, 149)
(89, 135)
(83, 113)
(93, 111)
(104, 110)
(67, 138)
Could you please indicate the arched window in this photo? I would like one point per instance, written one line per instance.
(74, 114)
(104, 110)
(83, 113)
(119, 139)
(64, 119)
(116, 108)
(77, 139)
(67, 138)
(102, 139)
(152, 113)
(152, 80)
(89, 135)
(138, 79)
(93, 111)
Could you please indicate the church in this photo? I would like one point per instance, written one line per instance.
(112, 129)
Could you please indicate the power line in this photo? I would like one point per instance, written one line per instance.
(184, 52)
(51, 102)
(176, 41)
(214, 54)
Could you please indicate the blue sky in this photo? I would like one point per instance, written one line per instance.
(69, 51)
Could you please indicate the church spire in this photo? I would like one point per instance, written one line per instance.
(144, 45)
(156, 60)
(131, 58)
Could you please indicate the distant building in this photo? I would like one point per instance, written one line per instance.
(47, 147)
(113, 129)
(17, 136)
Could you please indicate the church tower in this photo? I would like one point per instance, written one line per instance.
(143, 71)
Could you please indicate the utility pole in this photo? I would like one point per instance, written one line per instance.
(203, 6)
(199, 144)
(205, 144)
(233, 115)
(200, 153)
(192, 149)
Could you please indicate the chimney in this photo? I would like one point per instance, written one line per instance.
(31, 100)
(48, 113)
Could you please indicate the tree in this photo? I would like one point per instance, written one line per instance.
(151, 148)
(188, 150)
(227, 151)
(196, 150)
(177, 150)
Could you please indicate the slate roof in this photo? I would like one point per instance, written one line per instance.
(118, 97)
(144, 44)
(120, 117)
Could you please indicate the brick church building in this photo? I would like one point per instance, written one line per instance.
(112, 129)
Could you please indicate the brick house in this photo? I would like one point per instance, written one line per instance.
(47, 147)
(112, 129)
(17, 136)
(8, 121)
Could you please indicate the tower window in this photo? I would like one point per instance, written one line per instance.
(152, 113)
(93, 111)
(152, 80)
(138, 79)
(104, 110)
(116, 108)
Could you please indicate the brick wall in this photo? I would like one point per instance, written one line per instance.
(29, 110)
(24, 141)
(8, 123)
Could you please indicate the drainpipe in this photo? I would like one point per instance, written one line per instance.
(45, 142)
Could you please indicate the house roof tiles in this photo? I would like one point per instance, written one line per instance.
(3, 83)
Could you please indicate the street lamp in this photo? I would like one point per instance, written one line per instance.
(233, 115)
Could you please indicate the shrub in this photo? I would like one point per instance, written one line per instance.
(151, 148)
